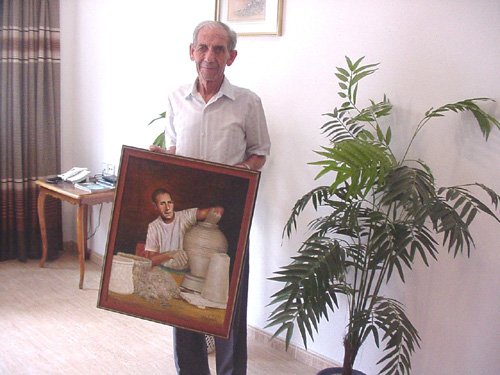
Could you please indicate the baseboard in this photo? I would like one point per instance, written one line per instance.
(70, 246)
(96, 258)
(309, 358)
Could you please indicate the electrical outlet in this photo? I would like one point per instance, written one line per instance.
(108, 169)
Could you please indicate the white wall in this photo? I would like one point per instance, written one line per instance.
(121, 59)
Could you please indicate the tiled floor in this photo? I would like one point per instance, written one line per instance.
(49, 326)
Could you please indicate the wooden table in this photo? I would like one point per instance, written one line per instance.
(68, 193)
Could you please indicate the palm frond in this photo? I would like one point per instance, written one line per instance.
(409, 187)
(363, 164)
(310, 290)
(341, 126)
(349, 79)
(400, 336)
(160, 138)
(455, 211)
(160, 116)
(374, 111)
(394, 246)
(317, 196)
(345, 217)
(485, 121)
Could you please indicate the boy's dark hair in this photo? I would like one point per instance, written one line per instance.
(158, 192)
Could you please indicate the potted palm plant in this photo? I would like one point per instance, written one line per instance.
(380, 213)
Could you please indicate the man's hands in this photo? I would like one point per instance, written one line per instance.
(176, 259)
(161, 150)
(179, 261)
(214, 215)
(254, 162)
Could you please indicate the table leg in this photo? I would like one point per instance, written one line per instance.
(43, 228)
(86, 252)
(81, 237)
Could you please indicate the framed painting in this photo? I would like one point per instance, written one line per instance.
(254, 17)
(177, 240)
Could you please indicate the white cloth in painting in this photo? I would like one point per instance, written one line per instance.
(163, 237)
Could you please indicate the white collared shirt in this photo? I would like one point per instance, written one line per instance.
(228, 129)
(163, 237)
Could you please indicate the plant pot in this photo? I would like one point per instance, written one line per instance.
(336, 371)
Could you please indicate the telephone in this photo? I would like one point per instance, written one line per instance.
(75, 174)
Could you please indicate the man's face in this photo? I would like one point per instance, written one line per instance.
(165, 206)
(211, 54)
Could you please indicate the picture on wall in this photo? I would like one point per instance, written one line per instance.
(177, 240)
(251, 17)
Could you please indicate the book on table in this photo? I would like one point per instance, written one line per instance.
(93, 187)
(101, 181)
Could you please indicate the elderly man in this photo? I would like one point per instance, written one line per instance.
(214, 120)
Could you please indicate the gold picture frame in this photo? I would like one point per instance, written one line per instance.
(131, 286)
(251, 18)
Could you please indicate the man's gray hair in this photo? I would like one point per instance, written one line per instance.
(231, 45)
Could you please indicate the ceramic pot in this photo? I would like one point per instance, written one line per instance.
(216, 287)
(201, 241)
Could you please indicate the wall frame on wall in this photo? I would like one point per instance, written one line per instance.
(132, 286)
(251, 18)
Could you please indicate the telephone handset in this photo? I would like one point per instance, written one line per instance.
(75, 174)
